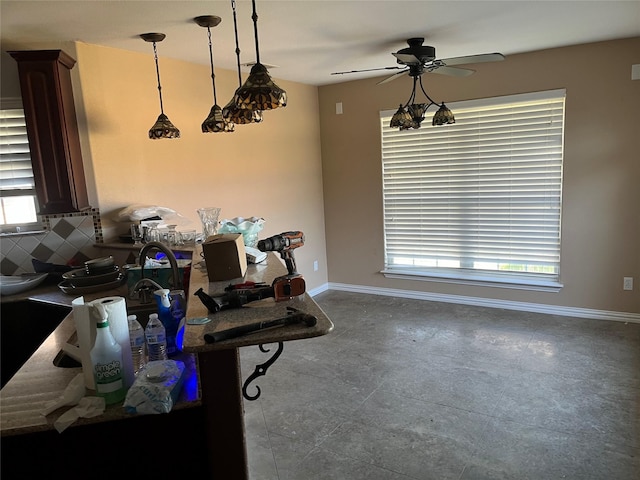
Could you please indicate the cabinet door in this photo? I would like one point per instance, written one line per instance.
(52, 128)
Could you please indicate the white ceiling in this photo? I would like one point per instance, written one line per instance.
(307, 40)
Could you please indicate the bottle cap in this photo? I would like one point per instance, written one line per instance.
(153, 316)
(132, 317)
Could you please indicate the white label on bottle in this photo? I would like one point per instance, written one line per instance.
(155, 338)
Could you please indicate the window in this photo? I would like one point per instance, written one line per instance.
(17, 188)
(478, 201)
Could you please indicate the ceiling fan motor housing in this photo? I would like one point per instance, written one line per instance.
(422, 53)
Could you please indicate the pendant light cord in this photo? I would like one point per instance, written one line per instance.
(255, 29)
(235, 29)
(213, 75)
(155, 55)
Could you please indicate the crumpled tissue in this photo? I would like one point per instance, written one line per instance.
(73, 396)
(87, 407)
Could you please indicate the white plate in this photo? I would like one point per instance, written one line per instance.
(12, 284)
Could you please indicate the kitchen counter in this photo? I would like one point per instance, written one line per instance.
(39, 381)
(214, 391)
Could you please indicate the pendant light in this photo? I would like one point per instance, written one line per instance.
(231, 112)
(163, 128)
(259, 91)
(215, 122)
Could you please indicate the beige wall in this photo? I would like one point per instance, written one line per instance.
(272, 170)
(601, 189)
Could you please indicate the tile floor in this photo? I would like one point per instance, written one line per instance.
(412, 389)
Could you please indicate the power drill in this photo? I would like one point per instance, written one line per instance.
(291, 285)
(284, 243)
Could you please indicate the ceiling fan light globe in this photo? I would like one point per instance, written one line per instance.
(443, 116)
(400, 119)
(417, 111)
(163, 128)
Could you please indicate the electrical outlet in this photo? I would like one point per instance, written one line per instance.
(315, 265)
(627, 283)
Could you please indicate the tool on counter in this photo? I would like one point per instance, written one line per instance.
(291, 285)
(282, 288)
(294, 316)
(233, 299)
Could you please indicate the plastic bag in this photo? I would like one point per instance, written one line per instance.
(137, 212)
(156, 387)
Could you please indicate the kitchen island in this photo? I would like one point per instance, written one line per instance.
(204, 433)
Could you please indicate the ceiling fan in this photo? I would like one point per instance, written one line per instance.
(417, 59)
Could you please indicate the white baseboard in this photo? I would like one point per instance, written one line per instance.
(483, 302)
(322, 288)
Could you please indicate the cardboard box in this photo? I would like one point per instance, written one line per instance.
(225, 256)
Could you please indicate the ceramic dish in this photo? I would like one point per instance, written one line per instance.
(69, 288)
(12, 284)
(80, 278)
(98, 266)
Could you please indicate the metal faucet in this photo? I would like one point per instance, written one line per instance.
(144, 282)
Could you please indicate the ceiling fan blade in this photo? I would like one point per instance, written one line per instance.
(407, 58)
(487, 57)
(453, 71)
(393, 77)
(367, 70)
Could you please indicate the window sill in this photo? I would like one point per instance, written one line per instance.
(484, 279)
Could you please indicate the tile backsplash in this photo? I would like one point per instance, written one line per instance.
(67, 239)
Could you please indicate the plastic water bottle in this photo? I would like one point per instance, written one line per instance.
(137, 341)
(156, 339)
(106, 359)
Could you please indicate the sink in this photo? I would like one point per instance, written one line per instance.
(63, 360)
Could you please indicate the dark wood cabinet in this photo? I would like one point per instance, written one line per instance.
(52, 128)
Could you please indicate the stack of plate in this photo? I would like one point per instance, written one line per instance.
(97, 275)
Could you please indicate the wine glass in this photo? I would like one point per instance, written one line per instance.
(137, 234)
(153, 234)
(174, 238)
(209, 219)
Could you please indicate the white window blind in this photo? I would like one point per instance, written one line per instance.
(17, 186)
(481, 196)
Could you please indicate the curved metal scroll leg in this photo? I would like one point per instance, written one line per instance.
(261, 370)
